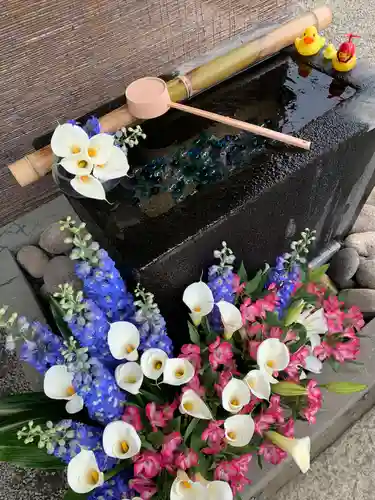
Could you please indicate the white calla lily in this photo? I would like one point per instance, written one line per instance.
(69, 140)
(129, 377)
(298, 449)
(79, 165)
(218, 490)
(123, 340)
(83, 472)
(272, 356)
(313, 364)
(88, 186)
(183, 488)
(58, 384)
(236, 394)
(230, 317)
(258, 384)
(153, 363)
(99, 148)
(178, 371)
(315, 324)
(193, 405)
(116, 166)
(239, 430)
(120, 440)
(199, 299)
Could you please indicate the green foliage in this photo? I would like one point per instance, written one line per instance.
(193, 333)
(301, 332)
(190, 428)
(254, 283)
(242, 273)
(58, 317)
(71, 495)
(315, 275)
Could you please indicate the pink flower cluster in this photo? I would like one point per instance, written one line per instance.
(220, 354)
(192, 353)
(250, 311)
(272, 415)
(314, 402)
(297, 361)
(160, 415)
(145, 487)
(234, 472)
(132, 416)
(214, 434)
(172, 458)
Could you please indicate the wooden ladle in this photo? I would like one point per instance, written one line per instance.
(148, 98)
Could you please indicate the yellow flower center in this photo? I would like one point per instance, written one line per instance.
(85, 178)
(131, 379)
(232, 435)
(234, 402)
(93, 476)
(100, 166)
(75, 149)
(251, 383)
(70, 391)
(271, 363)
(82, 164)
(129, 348)
(158, 365)
(92, 152)
(124, 446)
(179, 373)
(197, 309)
(188, 405)
(186, 484)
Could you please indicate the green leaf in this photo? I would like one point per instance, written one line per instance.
(335, 365)
(196, 442)
(344, 387)
(253, 284)
(272, 319)
(176, 424)
(190, 428)
(155, 438)
(242, 273)
(28, 401)
(151, 396)
(193, 333)
(29, 456)
(259, 457)
(58, 316)
(302, 338)
(315, 275)
(71, 495)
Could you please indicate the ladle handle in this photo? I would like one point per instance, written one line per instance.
(255, 129)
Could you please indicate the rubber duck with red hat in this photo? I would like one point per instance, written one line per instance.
(345, 58)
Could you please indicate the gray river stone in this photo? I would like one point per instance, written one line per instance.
(33, 260)
(365, 221)
(361, 297)
(52, 239)
(60, 270)
(343, 266)
(363, 243)
(366, 274)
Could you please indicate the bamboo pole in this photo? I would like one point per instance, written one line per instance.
(38, 163)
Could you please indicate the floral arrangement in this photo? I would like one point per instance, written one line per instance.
(92, 157)
(129, 416)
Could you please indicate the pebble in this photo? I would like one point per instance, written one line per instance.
(33, 260)
(363, 243)
(60, 270)
(343, 266)
(366, 274)
(360, 297)
(365, 221)
(52, 239)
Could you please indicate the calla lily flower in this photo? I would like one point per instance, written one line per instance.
(315, 324)
(120, 440)
(69, 140)
(258, 384)
(236, 394)
(183, 488)
(58, 384)
(239, 430)
(199, 299)
(129, 377)
(193, 405)
(88, 186)
(153, 363)
(123, 340)
(178, 371)
(230, 317)
(83, 473)
(116, 166)
(299, 449)
(272, 356)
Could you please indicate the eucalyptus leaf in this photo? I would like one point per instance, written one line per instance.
(193, 333)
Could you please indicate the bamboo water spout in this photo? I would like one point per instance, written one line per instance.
(38, 163)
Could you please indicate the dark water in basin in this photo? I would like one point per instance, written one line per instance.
(183, 154)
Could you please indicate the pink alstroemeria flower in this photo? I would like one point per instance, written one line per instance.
(145, 487)
(132, 416)
(192, 353)
(186, 459)
(220, 353)
(147, 464)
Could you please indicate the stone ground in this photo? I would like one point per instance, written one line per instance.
(345, 470)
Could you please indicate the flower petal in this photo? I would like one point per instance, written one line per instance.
(199, 299)
(58, 383)
(100, 148)
(239, 430)
(89, 187)
(178, 371)
(123, 340)
(313, 364)
(193, 405)
(80, 165)
(272, 356)
(315, 323)
(231, 318)
(219, 490)
(129, 377)
(120, 440)
(83, 473)
(68, 140)
(75, 404)
(153, 363)
(258, 384)
(236, 394)
(117, 166)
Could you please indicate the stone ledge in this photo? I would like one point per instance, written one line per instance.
(339, 412)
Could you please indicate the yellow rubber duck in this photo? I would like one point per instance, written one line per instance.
(345, 58)
(330, 51)
(310, 43)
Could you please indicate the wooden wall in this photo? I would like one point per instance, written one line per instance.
(60, 59)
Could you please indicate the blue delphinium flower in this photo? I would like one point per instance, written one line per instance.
(115, 488)
(92, 126)
(150, 323)
(220, 280)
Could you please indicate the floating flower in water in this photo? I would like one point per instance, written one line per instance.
(129, 377)
(272, 356)
(83, 472)
(123, 340)
(199, 299)
(58, 384)
(120, 440)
